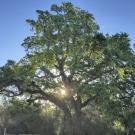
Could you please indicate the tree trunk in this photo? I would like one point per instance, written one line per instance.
(67, 124)
(72, 125)
(78, 122)
(73, 121)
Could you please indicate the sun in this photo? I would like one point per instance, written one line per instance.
(63, 92)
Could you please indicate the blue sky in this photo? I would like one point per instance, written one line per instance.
(112, 16)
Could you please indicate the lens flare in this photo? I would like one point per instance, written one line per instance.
(63, 92)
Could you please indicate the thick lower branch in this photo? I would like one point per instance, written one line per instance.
(86, 102)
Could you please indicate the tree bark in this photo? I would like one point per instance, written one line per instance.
(68, 128)
(72, 125)
(78, 117)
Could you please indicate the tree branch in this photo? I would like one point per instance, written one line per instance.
(85, 103)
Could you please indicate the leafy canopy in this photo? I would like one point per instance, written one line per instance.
(67, 52)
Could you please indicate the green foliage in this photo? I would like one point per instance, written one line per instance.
(68, 52)
(19, 117)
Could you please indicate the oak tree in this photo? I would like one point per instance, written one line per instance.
(71, 64)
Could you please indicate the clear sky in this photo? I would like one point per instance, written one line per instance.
(112, 16)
